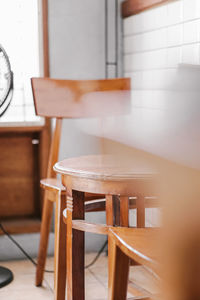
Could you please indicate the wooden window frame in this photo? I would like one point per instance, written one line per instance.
(45, 37)
(28, 224)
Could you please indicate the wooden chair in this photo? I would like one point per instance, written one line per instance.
(138, 244)
(171, 252)
(116, 177)
(70, 99)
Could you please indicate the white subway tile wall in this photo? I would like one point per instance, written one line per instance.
(19, 35)
(155, 42)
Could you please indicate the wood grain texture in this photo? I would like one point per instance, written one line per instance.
(78, 249)
(102, 175)
(21, 128)
(44, 148)
(110, 210)
(107, 168)
(139, 244)
(45, 32)
(133, 7)
(92, 200)
(23, 164)
(95, 205)
(44, 237)
(19, 177)
(81, 98)
(90, 227)
(54, 149)
(120, 214)
(60, 249)
(118, 274)
(110, 219)
(140, 204)
(21, 225)
(52, 184)
(45, 136)
(117, 206)
(143, 298)
(69, 99)
(124, 211)
(75, 247)
(50, 196)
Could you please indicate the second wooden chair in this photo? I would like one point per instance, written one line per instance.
(138, 244)
(70, 99)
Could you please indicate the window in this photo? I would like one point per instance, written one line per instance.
(21, 37)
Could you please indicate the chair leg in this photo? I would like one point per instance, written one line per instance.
(118, 274)
(140, 212)
(44, 237)
(75, 247)
(110, 219)
(60, 250)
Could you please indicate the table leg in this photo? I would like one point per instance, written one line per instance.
(116, 208)
(140, 204)
(75, 247)
(110, 212)
(124, 211)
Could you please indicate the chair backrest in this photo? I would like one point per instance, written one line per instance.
(80, 98)
(56, 98)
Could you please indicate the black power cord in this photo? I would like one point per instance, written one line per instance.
(97, 256)
(34, 262)
(20, 248)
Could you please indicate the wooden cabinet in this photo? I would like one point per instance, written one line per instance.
(24, 149)
(23, 162)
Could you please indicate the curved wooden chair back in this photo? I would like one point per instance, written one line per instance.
(138, 244)
(56, 98)
(80, 98)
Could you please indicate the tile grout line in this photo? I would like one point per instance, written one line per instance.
(96, 277)
(48, 285)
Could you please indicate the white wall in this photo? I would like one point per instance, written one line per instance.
(155, 42)
(77, 51)
(76, 36)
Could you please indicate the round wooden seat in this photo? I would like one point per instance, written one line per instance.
(101, 174)
(53, 184)
(118, 178)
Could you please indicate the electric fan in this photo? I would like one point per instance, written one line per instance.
(6, 81)
(6, 92)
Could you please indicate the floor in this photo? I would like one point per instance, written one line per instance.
(22, 288)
